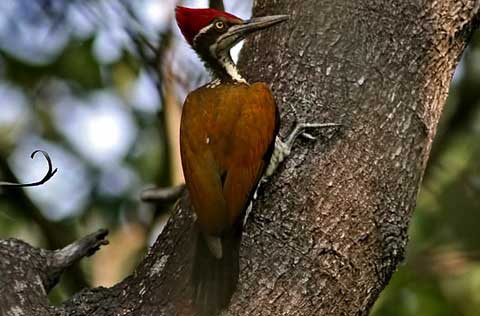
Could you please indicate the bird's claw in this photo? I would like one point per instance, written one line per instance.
(308, 136)
(299, 130)
(283, 148)
(295, 113)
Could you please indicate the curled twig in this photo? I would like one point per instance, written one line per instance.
(47, 177)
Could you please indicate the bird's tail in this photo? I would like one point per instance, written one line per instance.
(215, 273)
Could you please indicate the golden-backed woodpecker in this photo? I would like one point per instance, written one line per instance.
(227, 136)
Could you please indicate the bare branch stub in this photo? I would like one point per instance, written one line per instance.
(50, 173)
(162, 195)
(217, 4)
(63, 258)
(29, 273)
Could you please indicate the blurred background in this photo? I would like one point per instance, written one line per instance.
(99, 86)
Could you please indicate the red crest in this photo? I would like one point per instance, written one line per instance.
(191, 21)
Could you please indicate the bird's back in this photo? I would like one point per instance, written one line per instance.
(226, 138)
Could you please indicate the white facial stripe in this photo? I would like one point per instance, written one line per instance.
(203, 31)
(231, 68)
(225, 59)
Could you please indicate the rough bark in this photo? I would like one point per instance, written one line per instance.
(330, 228)
(28, 274)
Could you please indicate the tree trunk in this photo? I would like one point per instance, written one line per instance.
(330, 228)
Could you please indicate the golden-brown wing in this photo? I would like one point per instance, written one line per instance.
(225, 139)
(200, 169)
(252, 143)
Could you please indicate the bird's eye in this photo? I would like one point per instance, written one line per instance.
(219, 25)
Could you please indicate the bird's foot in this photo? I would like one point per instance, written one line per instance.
(283, 148)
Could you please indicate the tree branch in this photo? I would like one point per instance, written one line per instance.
(56, 234)
(163, 195)
(28, 273)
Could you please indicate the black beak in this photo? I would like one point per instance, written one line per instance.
(238, 32)
(257, 24)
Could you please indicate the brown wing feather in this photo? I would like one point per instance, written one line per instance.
(254, 132)
(226, 133)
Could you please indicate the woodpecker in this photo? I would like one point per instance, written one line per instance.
(228, 134)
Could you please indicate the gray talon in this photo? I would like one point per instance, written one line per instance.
(283, 148)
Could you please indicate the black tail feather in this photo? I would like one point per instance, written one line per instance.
(214, 280)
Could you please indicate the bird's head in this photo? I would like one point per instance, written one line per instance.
(212, 33)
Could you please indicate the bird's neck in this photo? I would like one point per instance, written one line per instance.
(223, 69)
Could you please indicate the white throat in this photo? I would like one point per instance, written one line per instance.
(225, 60)
(230, 67)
